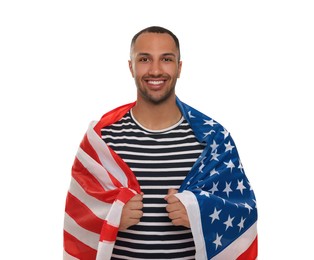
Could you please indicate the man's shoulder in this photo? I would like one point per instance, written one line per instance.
(113, 116)
(195, 115)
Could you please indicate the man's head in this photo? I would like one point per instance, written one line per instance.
(155, 64)
(157, 29)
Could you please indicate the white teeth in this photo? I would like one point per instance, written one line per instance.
(155, 82)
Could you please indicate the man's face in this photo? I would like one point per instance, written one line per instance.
(155, 67)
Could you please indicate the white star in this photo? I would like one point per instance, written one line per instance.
(217, 242)
(228, 189)
(255, 203)
(229, 147)
(215, 215)
(214, 155)
(210, 122)
(200, 169)
(214, 145)
(249, 185)
(201, 186)
(225, 133)
(213, 172)
(190, 114)
(248, 207)
(204, 193)
(228, 223)
(241, 223)
(214, 188)
(240, 166)
(209, 133)
(229, 165)
(241, 187)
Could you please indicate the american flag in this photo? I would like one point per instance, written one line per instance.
(216, 193)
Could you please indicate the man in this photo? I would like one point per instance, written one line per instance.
(157, 179)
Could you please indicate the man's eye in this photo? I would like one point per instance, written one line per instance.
(143, 59)
(167, 59)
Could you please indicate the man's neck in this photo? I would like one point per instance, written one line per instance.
(156, 116)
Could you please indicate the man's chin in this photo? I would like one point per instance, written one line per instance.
(159, 99)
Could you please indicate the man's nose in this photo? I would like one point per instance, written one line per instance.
(155, 68)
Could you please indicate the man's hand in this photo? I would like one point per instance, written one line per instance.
(176, 210)
(132, 212)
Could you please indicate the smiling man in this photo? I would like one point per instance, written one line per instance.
(155, 65)
(157, 179)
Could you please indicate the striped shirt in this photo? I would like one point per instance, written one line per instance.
(160, 160)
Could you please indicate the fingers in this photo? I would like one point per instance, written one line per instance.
(135, 202)
(176, 210)
(174, 206)
(170, 193)
(181, 221)
(177, 213)
(171, 199)
(136, 214)
(132, 212)
(130, 222)
(137, 197)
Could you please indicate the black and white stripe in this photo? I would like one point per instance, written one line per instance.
(160, 160)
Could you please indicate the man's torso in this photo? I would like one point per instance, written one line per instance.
(160, 160)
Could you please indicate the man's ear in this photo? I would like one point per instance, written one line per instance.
(180, 67)
(131, 68)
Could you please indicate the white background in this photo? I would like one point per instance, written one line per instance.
(247, 64)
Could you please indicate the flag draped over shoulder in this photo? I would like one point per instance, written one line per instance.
(216, 193)
(101, 184)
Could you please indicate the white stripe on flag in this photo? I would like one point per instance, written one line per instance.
(104, 251)
(105, 156)
(66, 256)
(95, 169)
(114, 215)
(87, 237)
(238, 246)
(191, 204)
(99, 208)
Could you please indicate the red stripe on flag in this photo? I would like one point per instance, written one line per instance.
(112, 116)
(78, 249)
(114, 180)
(91, 185)
(82, 214)
(108, 232)
(125, 195)
(87, 147)
(84, 177)
(250, 253)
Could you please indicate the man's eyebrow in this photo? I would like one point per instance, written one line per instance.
(143, 54)
(168, 54)
(163, 54)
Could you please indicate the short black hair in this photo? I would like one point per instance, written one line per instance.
(157, 29)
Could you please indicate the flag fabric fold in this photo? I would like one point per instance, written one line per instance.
(216, 193)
